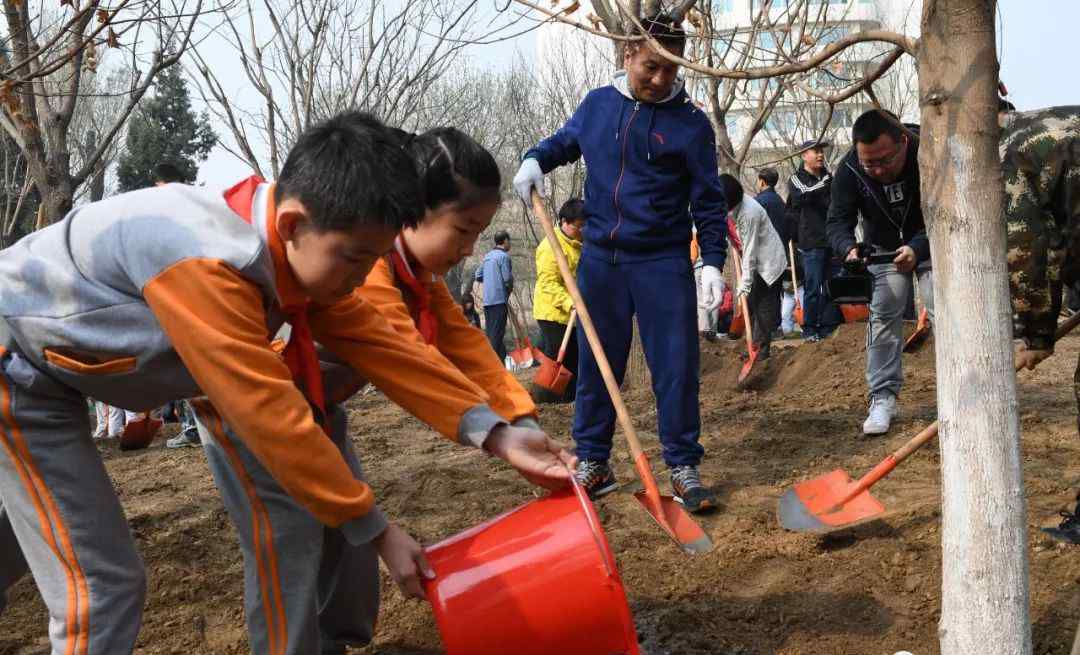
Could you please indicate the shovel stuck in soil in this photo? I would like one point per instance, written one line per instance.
(552, 375)
(918, 337)
(751, 348)
(833, 501)
(668, 514)
(522, 354)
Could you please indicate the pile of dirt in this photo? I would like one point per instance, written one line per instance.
(762, 591)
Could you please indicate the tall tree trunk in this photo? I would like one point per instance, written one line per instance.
(984, 605)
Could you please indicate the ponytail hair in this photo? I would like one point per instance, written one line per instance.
(453, 168)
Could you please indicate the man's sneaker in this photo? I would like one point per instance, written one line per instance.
(1068, 531)
(688, 490)
(596, 478)
(186, 439)
(882, 412)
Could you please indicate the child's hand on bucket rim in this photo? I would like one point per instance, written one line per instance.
(404, 559)
(537, 457)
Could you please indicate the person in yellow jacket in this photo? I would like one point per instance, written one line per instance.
(551, 299)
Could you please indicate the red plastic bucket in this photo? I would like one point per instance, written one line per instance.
(537, 580)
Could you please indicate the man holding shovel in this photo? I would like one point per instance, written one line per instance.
(651, 161)
(1040, 165)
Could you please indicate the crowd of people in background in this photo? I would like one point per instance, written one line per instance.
(332, 277)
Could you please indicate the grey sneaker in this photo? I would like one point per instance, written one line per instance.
(596, 478)
(882, 412)
(186, 439)
(688, 490)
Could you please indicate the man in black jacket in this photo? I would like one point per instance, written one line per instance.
(879, 179)
(807, 207)
(768, 198)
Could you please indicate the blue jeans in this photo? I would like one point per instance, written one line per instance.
(820, 314)
(662, 295)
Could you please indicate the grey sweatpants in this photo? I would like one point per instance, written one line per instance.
(60, 513)
(885, 333)
(306, 589)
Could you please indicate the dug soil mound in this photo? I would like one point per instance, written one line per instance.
(762, 591)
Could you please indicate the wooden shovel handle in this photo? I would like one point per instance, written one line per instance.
(931, 431)
(742, 299)
(566, 336)
(594, 339)
(794, 279)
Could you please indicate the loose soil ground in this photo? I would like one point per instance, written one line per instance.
(762, 591)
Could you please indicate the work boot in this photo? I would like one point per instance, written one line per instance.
(882, 412)
(596, 478)
(186, 439)
(688, 490)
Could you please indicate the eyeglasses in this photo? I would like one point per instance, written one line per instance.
(883, 162)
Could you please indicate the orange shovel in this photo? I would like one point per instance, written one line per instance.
(922, 331)
(665, 510)
(552, 375)
(522, 354)
(752, 350)
(833, 501)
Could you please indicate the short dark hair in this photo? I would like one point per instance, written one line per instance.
(873, 123)
(351, 170)
(769, 176)
(1005, 105)
(166, 173)
(572, 210)
(453, 167)
(501, 237)
(733, 191)
(663, 28)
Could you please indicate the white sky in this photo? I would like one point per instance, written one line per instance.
(1036, 47)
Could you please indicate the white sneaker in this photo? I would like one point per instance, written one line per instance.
(882, 412)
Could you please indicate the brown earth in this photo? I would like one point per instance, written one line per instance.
(762, 591)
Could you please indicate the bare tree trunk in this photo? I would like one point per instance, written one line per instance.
(984, 607)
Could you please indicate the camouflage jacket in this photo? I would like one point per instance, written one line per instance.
(1040, 165)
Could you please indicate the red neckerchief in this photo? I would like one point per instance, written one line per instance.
(299, 353)
(425, 318)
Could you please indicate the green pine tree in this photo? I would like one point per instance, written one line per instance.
(164, 129)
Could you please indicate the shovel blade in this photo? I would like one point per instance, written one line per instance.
(522, 357)
(676, 521)
(918, 337)
(814, 505)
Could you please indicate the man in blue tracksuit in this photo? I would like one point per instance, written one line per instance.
(651, 161)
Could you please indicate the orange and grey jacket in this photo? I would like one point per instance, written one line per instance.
(166, 293)
(459, 345)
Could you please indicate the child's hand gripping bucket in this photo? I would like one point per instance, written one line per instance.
(537, 580)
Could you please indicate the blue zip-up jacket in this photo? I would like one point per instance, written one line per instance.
(649, 169)
(496, 273)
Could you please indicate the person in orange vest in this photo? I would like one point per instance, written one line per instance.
(200, 282)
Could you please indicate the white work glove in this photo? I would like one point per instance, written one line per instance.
(529, 177)
(712, 288)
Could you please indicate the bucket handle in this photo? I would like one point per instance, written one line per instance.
(583, 499)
